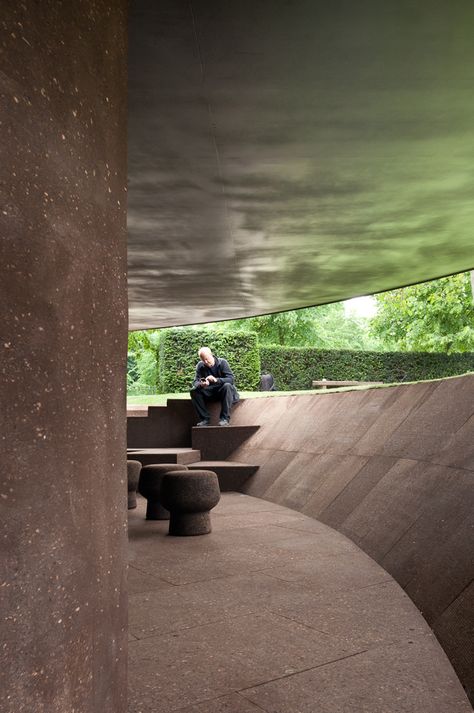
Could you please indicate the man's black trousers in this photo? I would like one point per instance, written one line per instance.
(216, 392)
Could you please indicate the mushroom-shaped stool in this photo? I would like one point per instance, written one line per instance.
(133, 473)
(189, 496)
(149, 486)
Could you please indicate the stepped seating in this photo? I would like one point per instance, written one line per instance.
(217, 442)
(231, 474)
(149, 456)
(210, 446)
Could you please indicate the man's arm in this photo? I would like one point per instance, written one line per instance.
(200, 374)
(227, 376)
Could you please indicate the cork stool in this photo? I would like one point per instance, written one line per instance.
(189, 496)
(133, 473)
(149, 486)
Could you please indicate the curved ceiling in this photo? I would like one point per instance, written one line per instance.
(285, 153)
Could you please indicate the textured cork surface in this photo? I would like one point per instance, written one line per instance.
(393, 469)
(64, 322)
(274, 612)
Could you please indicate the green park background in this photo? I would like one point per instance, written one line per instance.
(423, 331)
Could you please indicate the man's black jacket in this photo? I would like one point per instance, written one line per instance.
(222, 371)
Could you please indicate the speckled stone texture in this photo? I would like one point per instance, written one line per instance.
(149, 486)
(274, 612)
(391, 468)
(133, 474)
(168, 427)
(63, 346)
(216, 443)
(189, 496)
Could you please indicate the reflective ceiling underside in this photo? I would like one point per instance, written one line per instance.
(292, 153)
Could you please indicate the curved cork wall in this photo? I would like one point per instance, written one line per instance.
(392, 469)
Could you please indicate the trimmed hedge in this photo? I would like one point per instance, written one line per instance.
(296, 367)
(178, 356)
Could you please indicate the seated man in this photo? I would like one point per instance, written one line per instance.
(214, 382)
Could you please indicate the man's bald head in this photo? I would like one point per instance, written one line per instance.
(206, 356)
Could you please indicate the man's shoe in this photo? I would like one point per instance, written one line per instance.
(203, 423)
(223, 422)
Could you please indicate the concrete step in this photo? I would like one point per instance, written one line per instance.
(147, 456)
(232, 475)
(137, 410)
(218, 442)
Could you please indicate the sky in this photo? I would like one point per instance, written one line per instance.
(361, 306)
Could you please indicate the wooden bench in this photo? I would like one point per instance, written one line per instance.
(325, 383)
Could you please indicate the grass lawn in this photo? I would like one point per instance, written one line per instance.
(155, 399)
(161, 399)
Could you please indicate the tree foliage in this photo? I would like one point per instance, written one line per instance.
(142, 362)
(436, 316)
(325, 327)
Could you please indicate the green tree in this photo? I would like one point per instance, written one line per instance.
(296, 327)
(335, 330)
(324, 327)
(142, 362)
(436, 316)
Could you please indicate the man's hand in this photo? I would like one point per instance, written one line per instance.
(204, 382)
(211, 379)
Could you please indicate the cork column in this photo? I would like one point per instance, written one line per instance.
(63, 332)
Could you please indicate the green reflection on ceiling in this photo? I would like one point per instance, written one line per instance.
(283, 154)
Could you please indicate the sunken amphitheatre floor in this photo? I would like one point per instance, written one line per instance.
(274, 611)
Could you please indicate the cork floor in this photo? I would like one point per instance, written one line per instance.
(274, 611)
